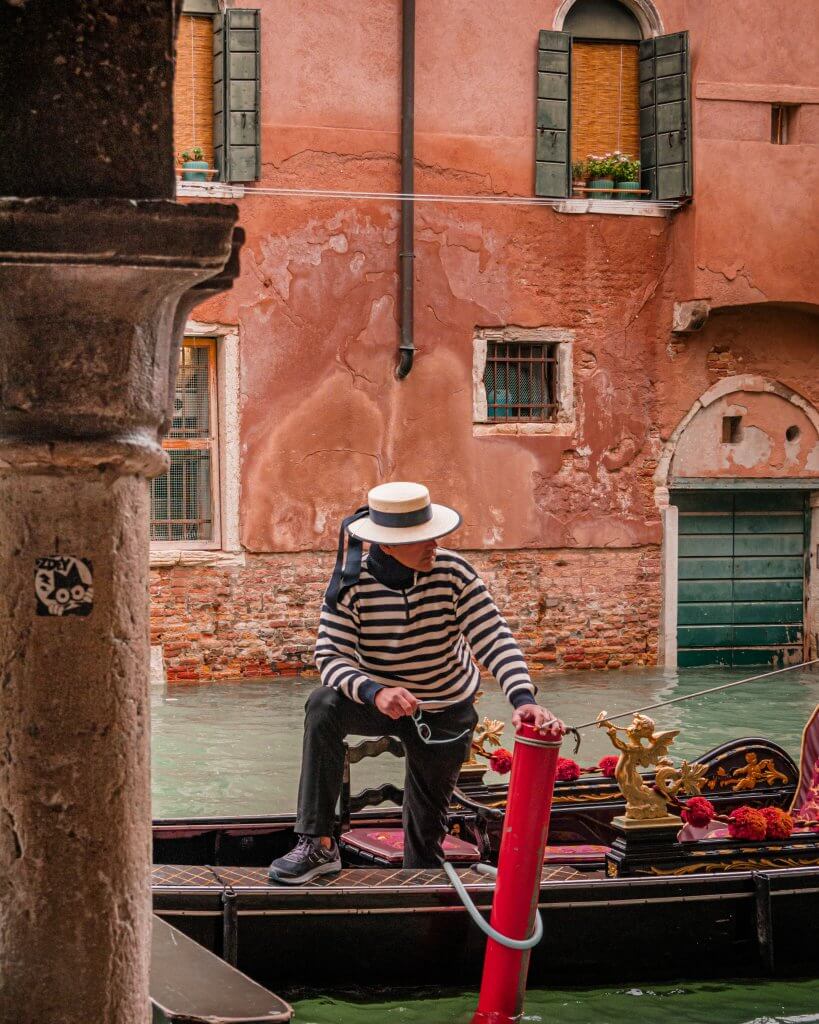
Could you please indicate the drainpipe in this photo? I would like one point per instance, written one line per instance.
(406, 269)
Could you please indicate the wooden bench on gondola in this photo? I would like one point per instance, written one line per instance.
(385, 846)
(191, 985)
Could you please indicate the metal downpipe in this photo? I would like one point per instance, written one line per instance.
(406, 268)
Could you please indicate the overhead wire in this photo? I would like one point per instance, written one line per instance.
(421, 197)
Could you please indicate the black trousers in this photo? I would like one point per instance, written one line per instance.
(431, 770)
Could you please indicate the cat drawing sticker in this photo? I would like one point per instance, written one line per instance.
(64, 585)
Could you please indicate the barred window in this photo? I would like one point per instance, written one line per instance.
(521, 381)
(183, 502)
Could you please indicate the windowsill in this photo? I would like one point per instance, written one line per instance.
(559, 429)
(166, 558)
(622, 207)
(209, 189)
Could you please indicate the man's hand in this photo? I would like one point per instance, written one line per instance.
(396, 702)
(540, 718)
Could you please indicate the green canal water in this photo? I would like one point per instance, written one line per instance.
(682, 1003)
(234, 749)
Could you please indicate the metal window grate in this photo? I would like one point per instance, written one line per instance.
(521, 381)
(191, 400)
(182, 500)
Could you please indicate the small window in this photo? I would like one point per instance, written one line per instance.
(731, 429)
(184, 502)
(520, 381)
(782, 119)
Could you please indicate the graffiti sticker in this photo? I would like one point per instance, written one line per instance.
(64, 585)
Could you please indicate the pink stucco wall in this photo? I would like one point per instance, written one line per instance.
(323, 417)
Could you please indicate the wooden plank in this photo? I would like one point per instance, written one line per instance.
(757, 636)
(768, 590)
(709, 614)
(705, 568)
(774, 657)
(768, 522)
(790, 612)
(191, 984)
(707, 545)
(769, 501)
(690, 591)
(707, 523)
(703, 657)
(703, 501)
(769, 544)
(765, 567)
(705, 636)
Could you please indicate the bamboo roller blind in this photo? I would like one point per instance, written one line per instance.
(193, 87)
(605, 99)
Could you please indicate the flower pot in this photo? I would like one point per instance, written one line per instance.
(605, 184)
(578, 187)
(195, 170)
(625, 187)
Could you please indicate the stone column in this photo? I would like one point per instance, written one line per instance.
(89, 295)
(95, 284)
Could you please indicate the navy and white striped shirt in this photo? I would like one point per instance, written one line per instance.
(421, 636)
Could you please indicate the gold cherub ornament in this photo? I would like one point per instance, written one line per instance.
(642, 748)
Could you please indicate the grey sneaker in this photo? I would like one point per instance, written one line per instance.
(308, 859)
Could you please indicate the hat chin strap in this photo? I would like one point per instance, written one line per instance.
(346, 573)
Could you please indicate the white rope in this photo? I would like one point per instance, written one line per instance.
(699, 693)
(474, 913)
(431, 197)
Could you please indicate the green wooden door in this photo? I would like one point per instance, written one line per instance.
(741, 577)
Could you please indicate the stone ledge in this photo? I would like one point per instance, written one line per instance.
(523, 429)
(166, 558)
(210, 189)
(621, 207)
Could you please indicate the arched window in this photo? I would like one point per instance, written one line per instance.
(607, 83)
(605, 102)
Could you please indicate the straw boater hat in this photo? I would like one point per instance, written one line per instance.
(401, 513)
(395, 513)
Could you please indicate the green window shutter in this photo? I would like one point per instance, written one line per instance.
(665, 116)
(236, 77)
(552, 142)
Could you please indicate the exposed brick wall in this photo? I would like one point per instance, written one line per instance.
(569, 609)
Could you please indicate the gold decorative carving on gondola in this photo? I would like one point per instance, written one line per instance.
(753, 773)
(736, 865)
(642, 747)
(488, 733)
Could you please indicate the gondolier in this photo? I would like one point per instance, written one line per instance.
(399, 635)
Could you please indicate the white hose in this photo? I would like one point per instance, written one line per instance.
(472, 910)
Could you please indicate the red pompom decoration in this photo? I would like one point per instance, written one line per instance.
(779, 823)
(501, 761)
(698, 811)
(747, 823)
(568, 770)
(607, 765)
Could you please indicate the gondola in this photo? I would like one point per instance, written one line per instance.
(713, 908)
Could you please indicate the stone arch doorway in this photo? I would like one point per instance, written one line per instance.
(644, 12)
(738, 487)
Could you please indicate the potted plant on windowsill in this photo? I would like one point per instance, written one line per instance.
(600, 172)
(194, 165)
(627, 176)
(578, 178)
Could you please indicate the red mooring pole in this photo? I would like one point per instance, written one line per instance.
(529, 804)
